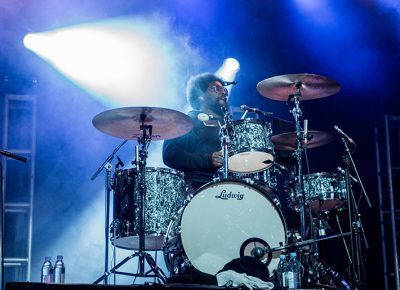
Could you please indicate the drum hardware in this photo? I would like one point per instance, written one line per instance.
(107, 166)
(294, 87)
(227, 134)
(321, 225)
(299, 245)
(300, 140)
(145, 124)
(318, 273)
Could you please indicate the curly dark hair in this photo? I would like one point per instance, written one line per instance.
(197, 85)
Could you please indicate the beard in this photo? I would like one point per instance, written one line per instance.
(216, 104)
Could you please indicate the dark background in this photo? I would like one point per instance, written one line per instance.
(355, 43)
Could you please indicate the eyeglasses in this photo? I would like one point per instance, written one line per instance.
(219, 90)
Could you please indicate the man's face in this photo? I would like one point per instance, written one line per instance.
(216, 96)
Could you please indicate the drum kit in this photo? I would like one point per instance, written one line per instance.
(234, 215)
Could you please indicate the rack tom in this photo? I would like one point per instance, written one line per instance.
(251, 149)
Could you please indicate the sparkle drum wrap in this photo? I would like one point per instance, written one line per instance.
(165, 189)
(250, 149)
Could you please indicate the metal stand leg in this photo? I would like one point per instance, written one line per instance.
(157, 272)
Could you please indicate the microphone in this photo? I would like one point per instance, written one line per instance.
(203, 117)
(14, 156)
(305, 129)
(228, 83)
(258, 252)
(343, 134)
(255, 110)
(119, 162)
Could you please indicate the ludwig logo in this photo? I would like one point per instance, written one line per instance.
(225, 195)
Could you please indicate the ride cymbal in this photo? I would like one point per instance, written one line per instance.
(312, 86)
(126, 122)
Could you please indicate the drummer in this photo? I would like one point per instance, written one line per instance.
(198, 153)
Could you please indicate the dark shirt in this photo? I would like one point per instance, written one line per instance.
(191, 153)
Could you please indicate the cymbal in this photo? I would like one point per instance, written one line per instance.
(313, 86)
(125, 122)
(287, 141)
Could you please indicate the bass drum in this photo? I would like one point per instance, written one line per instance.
(219, 223)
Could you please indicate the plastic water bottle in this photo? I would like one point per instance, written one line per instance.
(281, 271)
(293, 272)
(59, 270)
(47, 271)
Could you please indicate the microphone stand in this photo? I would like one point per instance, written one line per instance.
(22, 159)
(355, 220)
(353, 165)
(107, 166)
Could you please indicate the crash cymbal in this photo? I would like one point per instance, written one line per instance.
(125, 122)
(287, 141)
(313, 86)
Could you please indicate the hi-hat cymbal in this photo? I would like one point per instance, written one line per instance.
(287, 141)
(126, 122)
(311, 87)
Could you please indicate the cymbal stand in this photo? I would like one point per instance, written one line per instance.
(226, 134)
(140, 188)
(297, 113)
(301, 138)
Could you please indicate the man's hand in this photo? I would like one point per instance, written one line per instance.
(216, 158)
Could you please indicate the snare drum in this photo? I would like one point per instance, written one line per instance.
(251, 149)
(164, 196)
(221, 222)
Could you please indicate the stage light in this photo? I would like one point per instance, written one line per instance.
(228, 70)
(122, 61)
(28, 39)
(232, 64)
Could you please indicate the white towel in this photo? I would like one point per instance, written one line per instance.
(232, 278)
